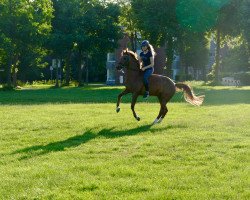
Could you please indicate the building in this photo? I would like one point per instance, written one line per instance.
(176, 67)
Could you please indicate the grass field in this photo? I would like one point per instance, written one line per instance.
(70, 143)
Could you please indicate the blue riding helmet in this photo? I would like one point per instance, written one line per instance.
(145, 43)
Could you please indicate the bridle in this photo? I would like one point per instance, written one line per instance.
(126, 64)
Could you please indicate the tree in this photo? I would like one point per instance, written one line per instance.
(193, 50)
(100, 29)
(236, 59)
(64, 33)
(23, 27)
(245, 23)
(128, 23)
(227, 24)
(83, 28)
(180, 25)
(156, 20)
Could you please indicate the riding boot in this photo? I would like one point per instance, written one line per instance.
(146, 95)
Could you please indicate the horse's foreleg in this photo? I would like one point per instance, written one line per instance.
(119, 100)
(134, 99)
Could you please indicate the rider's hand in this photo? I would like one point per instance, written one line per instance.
(143, 69)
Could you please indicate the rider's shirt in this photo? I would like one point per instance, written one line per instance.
(146, 58)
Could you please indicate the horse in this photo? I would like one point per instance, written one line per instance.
(161, 86)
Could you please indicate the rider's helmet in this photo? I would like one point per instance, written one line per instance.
(145, 43)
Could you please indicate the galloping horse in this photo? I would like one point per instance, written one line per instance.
(161, 86)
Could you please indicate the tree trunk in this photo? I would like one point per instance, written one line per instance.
(217, 56)
(80, 70)
(183, 60)
(57, 73)
(132, 41)
(248, 53)
(87, 71)
(61, 74)
(67, 70)
(10, 62)
(204, 78)
(170, 56)
(9, 83)
(14, 75)
(15, 70)
(186, 71)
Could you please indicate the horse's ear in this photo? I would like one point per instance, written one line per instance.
(122, 53)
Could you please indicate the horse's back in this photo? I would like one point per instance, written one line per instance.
(161, 85)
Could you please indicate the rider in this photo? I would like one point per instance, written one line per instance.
(147, 60)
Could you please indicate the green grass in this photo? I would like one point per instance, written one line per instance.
(71, 144)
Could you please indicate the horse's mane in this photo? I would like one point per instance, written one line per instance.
(134, 55)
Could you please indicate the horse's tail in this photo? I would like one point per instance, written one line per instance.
(189, 95)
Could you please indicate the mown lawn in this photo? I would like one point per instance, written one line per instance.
(71, 144)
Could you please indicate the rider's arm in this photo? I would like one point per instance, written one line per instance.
(151, 63)
(140, 60)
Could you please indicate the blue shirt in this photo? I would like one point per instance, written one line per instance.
(146, 58)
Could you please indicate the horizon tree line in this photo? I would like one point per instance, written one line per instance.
(79, 34)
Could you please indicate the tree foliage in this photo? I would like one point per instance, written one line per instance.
(83, 28)
(80, 33)
(24, 26)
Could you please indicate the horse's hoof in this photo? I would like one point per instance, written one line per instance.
(138, 118)
(155, 122)
(160, 120)
(118, 109)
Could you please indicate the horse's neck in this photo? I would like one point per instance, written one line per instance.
(133, 76)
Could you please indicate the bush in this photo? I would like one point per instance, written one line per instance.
(183, 77)
(244, 77)
(7, 88)
(211, 74)
(20, 83)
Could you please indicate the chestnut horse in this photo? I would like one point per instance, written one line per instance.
(161, 86)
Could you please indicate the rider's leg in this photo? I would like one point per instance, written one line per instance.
(146, 76)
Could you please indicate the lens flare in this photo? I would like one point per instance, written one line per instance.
(217, 4)
(198, 15)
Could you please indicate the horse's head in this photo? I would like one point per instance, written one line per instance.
(128, 60)
(124, 60)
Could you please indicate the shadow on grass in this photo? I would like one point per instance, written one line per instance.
(77, 140)
(60, 95)
(101, 94)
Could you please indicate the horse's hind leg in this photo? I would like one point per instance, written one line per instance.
(164, 112)
(164, 108)
(160, 112)
(134, 99)
(119, 99)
